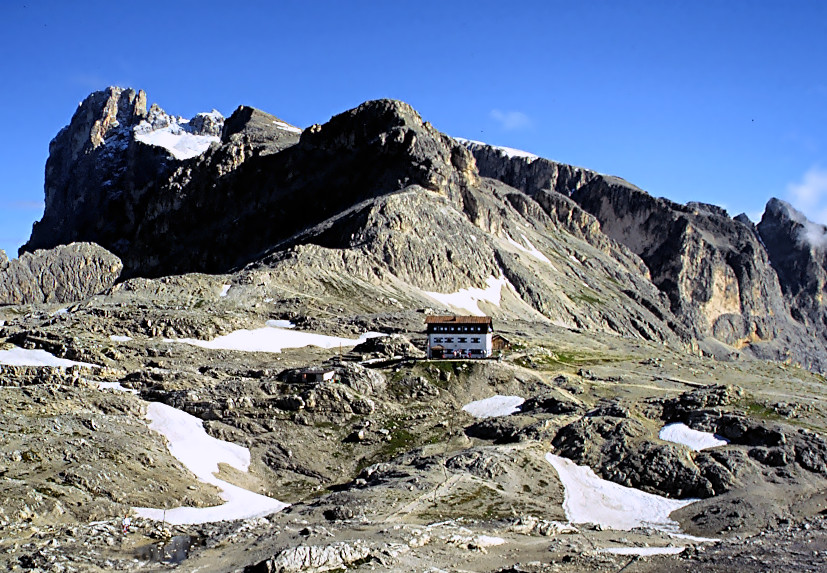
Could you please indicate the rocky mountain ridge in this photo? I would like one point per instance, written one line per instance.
(723, 280)
(366, 182)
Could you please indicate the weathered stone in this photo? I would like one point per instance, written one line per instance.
(391, 346)
(313, 558)
(63, 274)
(361, 379)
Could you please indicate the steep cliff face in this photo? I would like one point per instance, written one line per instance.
(798, 250)
(714, 270)
(87, 160)
(527, 172)
(104, 166)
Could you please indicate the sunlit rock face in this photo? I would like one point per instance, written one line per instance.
(720, 280)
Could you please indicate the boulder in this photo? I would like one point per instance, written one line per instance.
(313, 558)
(362, 379)
(389, 346)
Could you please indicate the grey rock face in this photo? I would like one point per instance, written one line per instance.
(100, 176)
(362, 379)
(798, 250)
(90, 165)
(63, 274)
(714, 270)
(529, 174)
(224, 208)
(375, 191)
(255, 128)
(389, 346)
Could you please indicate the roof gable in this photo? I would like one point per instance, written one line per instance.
(453, 319)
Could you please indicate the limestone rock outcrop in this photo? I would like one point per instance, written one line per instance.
(715, 271)
(64, 274)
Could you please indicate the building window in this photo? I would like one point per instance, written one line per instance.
(475, 340)
(462, 339)
(449, 340)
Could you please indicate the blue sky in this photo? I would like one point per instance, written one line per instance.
(717, 101)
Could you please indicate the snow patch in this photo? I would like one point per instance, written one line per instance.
(273, 339)
(507, 151)
(468, 299)
(529, 248)
(115, 386)
(177, 135)
(488, 541)
(511, 153)
(201, 454)
(643, 551)
(680, 433)
(119, 338)
(280, 323)
(24, 357)
(494, 407)
(286, 127)
(590, 499)
(224, 290)
(181, 144)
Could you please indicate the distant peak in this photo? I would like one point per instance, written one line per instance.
(780, 213)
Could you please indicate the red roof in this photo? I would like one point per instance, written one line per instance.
(451, 319)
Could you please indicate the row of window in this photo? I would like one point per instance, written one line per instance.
(460, 328)
(459, 340)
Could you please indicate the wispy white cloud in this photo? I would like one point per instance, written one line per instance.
(809, 196)
(511, 120)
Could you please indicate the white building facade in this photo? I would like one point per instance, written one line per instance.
(459, 336)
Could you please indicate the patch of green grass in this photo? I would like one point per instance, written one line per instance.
(583, 297)
(760, 411)
(399, 440)
(557, 358)
(588, 296)
(434, 372)
(481, 502)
